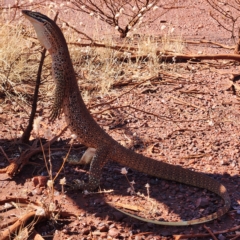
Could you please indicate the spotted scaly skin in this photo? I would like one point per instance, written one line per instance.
(68, 98)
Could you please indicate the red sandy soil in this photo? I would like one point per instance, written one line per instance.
(202, 134)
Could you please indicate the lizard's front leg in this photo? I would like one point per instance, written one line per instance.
(95, 172)
(58, 102)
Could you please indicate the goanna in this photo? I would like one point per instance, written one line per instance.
(68, 97)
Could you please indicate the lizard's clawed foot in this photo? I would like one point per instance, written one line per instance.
(81, 185)
(76, 185)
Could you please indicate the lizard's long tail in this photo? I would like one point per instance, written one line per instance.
(175, 173)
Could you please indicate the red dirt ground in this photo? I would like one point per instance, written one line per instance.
(202, 134)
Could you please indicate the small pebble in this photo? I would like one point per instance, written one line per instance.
(113, 232)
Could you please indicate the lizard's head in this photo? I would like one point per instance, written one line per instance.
(44, 27)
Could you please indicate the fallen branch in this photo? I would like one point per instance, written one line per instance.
(181, 102)
(140, 110)
(178, 56)
(17, 164)
(6, 234)
(20, 222)
(136, 85)
(205, 235)
(165, 118)
(211, 42)
(210, 232)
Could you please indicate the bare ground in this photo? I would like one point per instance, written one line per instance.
(194, 123)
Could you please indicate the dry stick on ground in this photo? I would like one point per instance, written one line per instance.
(170, 56)
(176, 56)
(210, 232)
(165, 118)
(137, 109)
(127, 83)
(179, 80)
(6, 234)
(101, 45)
(111, 101)
(26, 134)
(210, 42)
(17, 163)
(181, 102)
(20, 222)
(165, 56)
(204, 235)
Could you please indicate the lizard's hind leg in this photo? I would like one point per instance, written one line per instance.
(95, 172)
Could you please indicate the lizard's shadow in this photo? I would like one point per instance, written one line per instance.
(178, 199)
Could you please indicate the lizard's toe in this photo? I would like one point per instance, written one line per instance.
(75, 185)
(81, 185)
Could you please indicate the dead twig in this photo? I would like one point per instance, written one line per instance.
(5, 155)
(140, 110)
(174, 57)
(204, 235)
(229, 12)
(210, 232)
(211, 42)
(181, 102)
(31, 215)
(138, 84)
(6, 234)
(17, 164)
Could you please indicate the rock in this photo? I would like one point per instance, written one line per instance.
(113, 232)
(39, 181)
(103, 228)
(85, 231)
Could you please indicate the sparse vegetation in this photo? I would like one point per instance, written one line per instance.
(123, 15)
(99, 67)
(104, 63)
(226, 14)
(92, 62)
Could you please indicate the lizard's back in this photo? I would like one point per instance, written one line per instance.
(67, 96)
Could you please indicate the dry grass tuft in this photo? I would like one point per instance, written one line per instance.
(97, 68)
